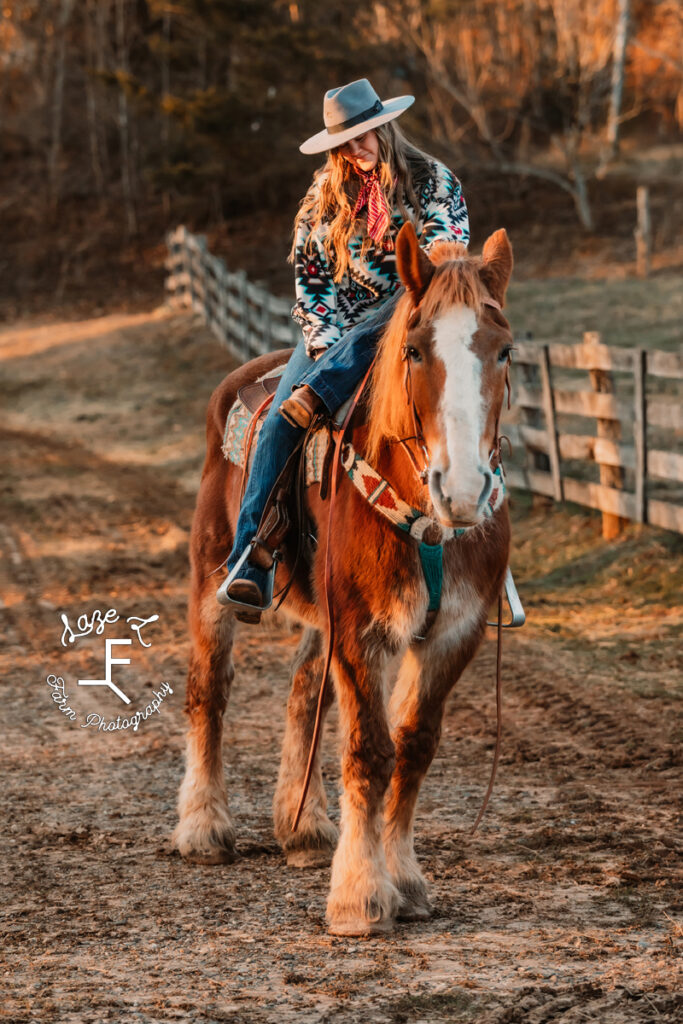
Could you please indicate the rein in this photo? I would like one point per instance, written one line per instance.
(334, 473)
(431, 556)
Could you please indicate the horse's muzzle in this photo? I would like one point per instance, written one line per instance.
(467, 507)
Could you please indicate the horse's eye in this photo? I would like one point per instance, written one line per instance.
(413, 354)
(505, 354)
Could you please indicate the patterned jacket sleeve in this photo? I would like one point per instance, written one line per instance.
(316, 293)
(444, 213)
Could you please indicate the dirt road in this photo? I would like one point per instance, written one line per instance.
(563, 907)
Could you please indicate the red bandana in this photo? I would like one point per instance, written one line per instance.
(379, 215)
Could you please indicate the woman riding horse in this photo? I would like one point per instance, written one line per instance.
(347, 284)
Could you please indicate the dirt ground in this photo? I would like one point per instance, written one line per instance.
(563, 908)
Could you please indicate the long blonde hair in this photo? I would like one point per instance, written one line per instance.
(402, 168)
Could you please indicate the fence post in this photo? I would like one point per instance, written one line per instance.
(266, 327)
(241, 281)
(643, 232)
(185, 267)
(610, 476)
(222, 304)
(531, 376)
(640, 431)
(203, 259)
(551, 428)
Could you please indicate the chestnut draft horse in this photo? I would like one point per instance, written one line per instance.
(449, 345)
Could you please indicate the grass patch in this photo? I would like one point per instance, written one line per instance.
(559, 550)
(627, 311)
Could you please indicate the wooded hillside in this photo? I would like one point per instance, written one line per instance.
(121, 118)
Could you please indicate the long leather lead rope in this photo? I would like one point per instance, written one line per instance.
(499, 712)
(334, 473)
(334, 470)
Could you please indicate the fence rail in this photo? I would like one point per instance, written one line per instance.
(244, 316)
(634, 400)
(606, 441)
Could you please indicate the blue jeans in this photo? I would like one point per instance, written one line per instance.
(333, 377)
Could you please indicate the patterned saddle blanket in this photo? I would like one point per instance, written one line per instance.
(235, 437)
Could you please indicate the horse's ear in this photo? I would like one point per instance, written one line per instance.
(496, 268)
(414, 266)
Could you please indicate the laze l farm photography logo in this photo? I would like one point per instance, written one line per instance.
(114, 652)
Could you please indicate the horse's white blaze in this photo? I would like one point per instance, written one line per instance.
(457, 489)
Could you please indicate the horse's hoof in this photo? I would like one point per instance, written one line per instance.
(357, 926)
(222, 856)
(317, 857)
(204, 845)
(414, 906)
(362, 914)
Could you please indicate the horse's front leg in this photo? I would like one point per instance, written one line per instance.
(205, 832)
(363, 899)
(313, 842)
(427, 675)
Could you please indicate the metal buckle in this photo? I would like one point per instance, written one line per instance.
(222, 592)
(518, 615)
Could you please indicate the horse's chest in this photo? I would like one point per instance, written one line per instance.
(405, 612)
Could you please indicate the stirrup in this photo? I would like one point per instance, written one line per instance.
(517, 611)
(222, 593)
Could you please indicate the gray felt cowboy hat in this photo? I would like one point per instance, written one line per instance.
(351, 110)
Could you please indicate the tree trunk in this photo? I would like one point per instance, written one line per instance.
(124, 122)
(58, 104)
(91, 102)
(165, 92)
(618, 63)
(581, 200)
(100, 66)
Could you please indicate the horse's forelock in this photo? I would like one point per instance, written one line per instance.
(456, 281)
(440, 252)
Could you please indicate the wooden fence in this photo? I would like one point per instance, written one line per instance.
(593, 424)
(598, 425)
(244, 316)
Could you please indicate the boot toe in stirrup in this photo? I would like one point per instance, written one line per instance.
(242, 592)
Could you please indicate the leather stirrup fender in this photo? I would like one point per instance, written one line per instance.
(275, 521)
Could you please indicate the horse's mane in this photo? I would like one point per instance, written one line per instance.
(456, 281)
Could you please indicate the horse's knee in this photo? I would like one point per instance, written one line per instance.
(383, 766)
(368, 767)
(416, 747)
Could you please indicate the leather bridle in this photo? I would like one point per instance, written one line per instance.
(418, 433)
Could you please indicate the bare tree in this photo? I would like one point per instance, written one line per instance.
(124, 119)
(165, 94)
(55, 149)
(618, 65)
(501, 74)
(93, 66)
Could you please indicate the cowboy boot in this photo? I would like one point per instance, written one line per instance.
(245, 592)
(241, 591)
(301, 406)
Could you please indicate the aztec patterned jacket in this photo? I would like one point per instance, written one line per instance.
(324, 309)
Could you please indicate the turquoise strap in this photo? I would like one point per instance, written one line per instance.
(431, 557)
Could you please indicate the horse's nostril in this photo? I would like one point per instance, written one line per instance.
(488, 484)
(438, 488)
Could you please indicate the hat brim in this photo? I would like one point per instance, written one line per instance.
(325, 140)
